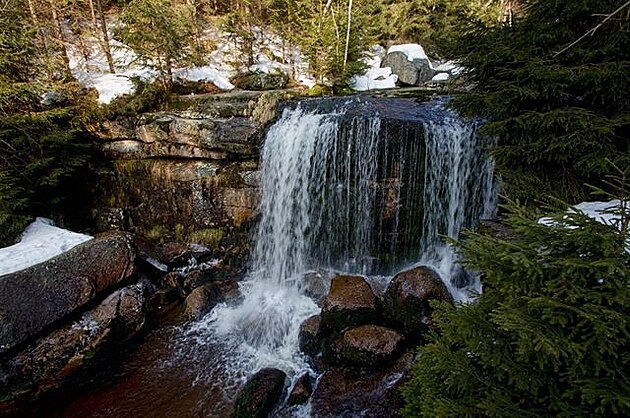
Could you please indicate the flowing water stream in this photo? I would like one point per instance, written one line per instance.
(358, 186)
(362, 186)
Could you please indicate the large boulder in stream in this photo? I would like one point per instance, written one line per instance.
(33, 299)
(342, 392)
(260, 395)
(406, 304)
(367, 347)
(349, 303)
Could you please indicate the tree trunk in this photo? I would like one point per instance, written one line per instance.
(345, 55)
(42, 37)
(60, 40)
(105, 43)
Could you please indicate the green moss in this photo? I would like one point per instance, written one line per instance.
(209, 237)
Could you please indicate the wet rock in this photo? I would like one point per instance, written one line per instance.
(406, 301)
(260, 395)
(410, 73)
(310, 335)
(198, 303)
(258, 80)
(342, 392)
(196, 278)
(34, 298)
(175, 254)
(349, 303)
(316, 285)
(203, 298)
(370, 346)
(50, 360)
(302, 390)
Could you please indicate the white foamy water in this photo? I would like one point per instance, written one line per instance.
(355, 191)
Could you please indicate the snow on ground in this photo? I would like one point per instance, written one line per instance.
(374, 77)
(271, 54)
(40, 241)
(600, 211)
(441, 77)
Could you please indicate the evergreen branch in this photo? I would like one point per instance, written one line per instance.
(592, 31)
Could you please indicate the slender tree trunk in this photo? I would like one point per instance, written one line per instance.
(93, 14)
(105, 44)
(60, 39)
(42, 37)
(345, 55)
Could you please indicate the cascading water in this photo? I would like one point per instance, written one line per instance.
(363, 186)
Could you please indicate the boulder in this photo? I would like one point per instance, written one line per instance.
(370, 346)
(310, 336)
(341, 392)
(349, 303)
(196, 278)
(316, 285)
(410, 73)
(34, 298)
(258, 80)
(203, 298)
(260, 395)
(301, 391)
(406, 302)
(47, 362)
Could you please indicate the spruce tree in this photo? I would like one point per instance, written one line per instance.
(160, 33)
(549, 336)
(559, 113)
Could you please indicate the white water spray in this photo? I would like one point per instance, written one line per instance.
(359, 188)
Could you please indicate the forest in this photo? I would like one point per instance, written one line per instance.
(550, 335)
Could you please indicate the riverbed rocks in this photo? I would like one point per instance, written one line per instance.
(49, 360)
(364, 358)
(33, 299)
(350, 302)
(260, 395)
(369, 346)
(406, 304)
(310, 336)
(342, 392)
(301, 391)
(203, 298)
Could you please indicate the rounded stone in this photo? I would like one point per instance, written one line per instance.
(260, 395)
(406, 304)
(349, 303)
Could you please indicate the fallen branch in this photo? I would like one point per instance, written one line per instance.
(592, 31)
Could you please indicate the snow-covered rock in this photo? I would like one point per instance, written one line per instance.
(40, 241)
(410, 63)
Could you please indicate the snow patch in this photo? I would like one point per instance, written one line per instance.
(441, 77)
(375, 77)
(40, 242)
(205, 73)
(600, 211)
(412, 51)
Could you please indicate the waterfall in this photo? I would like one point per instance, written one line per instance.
(363, 186)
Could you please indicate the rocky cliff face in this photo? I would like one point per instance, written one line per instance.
(188, 174)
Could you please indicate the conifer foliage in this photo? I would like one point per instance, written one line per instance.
(549, 336)
(558, 116)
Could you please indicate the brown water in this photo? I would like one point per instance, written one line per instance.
(166, 374)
